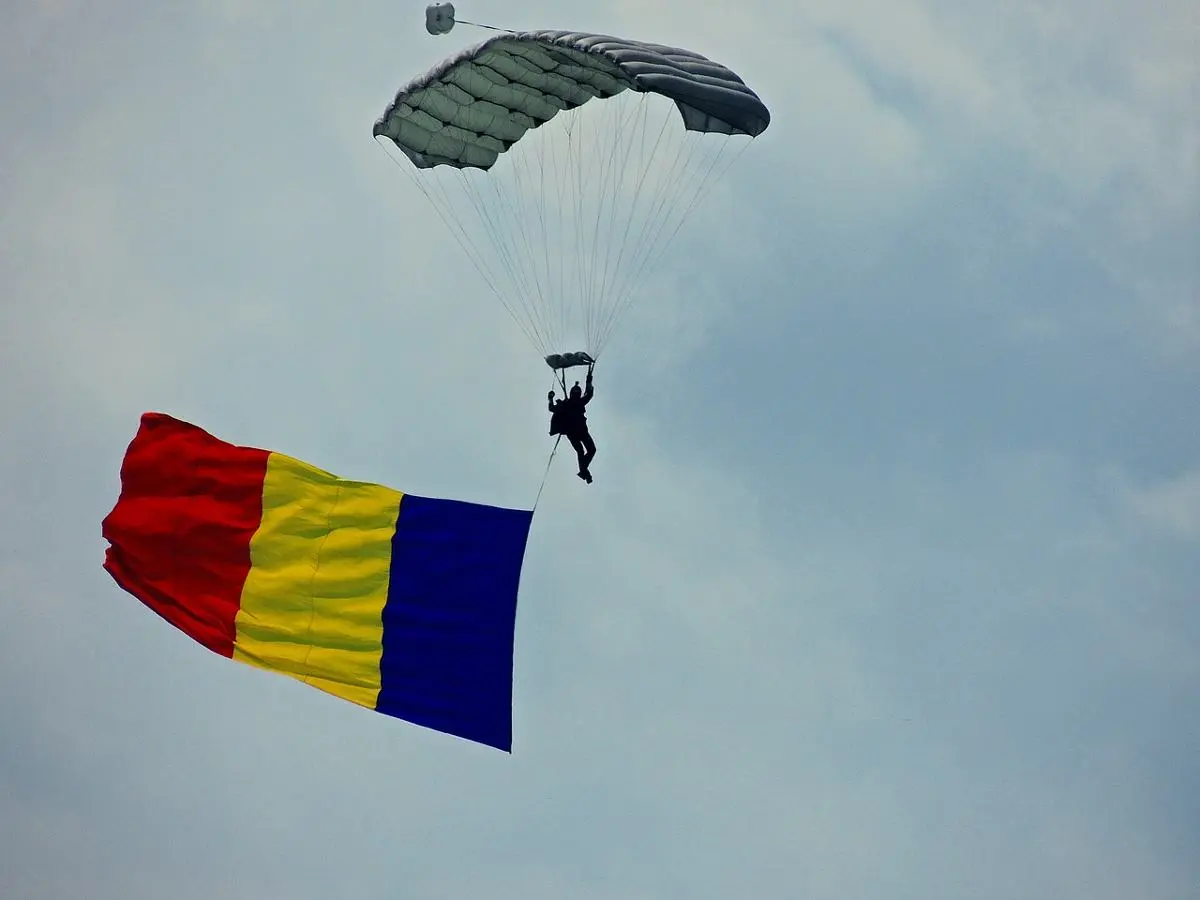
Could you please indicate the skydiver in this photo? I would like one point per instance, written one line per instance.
(568, 418)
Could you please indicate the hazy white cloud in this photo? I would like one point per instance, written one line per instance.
(1171, 506)
(870, 620)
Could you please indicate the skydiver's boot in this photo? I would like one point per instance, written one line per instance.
(585, 475)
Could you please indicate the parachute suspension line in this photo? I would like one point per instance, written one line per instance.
(709, 181)
(553, 262)
(538, 195)
(613, 265)
(562, 176)
(505, 252)
(445, 213)
(502, 212)
(548, 202)
(655, 224)
(590, 185)
(507, 207)
(504, 256)
(546, 474)
(581, 149)
(651, 227)
(632, 186)
(613, 252)
(701, 191)
(597, 192)
(435, 192)
(554, 180)
(644, 167)
(458, 21)
(605, 202)
(519, 248)
(547, 281)
(562, 376)
(576, 149)
(648, 215)
(666, 232)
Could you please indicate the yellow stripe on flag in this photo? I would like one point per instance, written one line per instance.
(312, 605)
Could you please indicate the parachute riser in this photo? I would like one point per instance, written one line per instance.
(439, 19)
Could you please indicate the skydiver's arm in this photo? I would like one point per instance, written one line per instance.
(587, 394)
(552, 402)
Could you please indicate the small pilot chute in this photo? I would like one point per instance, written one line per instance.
(439, 18)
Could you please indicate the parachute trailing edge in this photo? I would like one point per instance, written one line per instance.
(473, 106)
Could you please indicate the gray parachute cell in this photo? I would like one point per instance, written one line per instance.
(472, 107)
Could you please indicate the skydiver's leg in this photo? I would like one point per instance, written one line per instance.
(586, 456)
(589, 446)
(580, 452)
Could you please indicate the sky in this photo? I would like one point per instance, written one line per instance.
(887, 583)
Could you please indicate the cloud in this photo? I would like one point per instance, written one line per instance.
(855, 607)
(1171, 506)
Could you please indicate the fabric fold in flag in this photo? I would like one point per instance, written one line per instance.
(399, 603)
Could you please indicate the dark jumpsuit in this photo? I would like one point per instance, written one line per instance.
(569, 419)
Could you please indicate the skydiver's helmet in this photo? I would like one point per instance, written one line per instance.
(576, 391)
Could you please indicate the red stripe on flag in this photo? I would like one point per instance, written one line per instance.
(180, 532)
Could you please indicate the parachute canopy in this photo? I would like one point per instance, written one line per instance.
(403, 604)
(565, 163)
(472, 107)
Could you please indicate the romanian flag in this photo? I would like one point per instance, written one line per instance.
(402, 604)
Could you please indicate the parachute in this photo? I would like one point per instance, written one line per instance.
(564, 205)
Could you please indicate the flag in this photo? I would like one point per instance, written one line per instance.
(403, 604)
